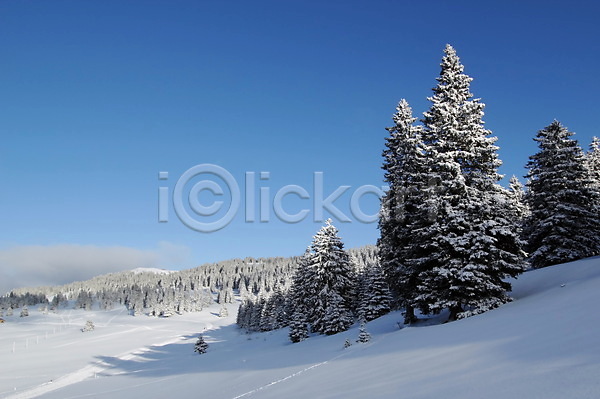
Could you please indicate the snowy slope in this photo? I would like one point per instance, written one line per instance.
(543, 345)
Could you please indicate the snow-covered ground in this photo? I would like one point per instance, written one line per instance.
(543, 345)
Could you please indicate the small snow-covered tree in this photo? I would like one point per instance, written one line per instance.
(363, 335)
(201, 346)
(223, 312)
(564, 224)
(24, 311)
(89, 326)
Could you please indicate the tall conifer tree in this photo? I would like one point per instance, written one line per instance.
(472, 243)
(402, 212)
(564, 224)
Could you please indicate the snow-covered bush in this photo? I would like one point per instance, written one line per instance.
(89, 326)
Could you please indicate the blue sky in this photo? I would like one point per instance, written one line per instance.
(97, 97)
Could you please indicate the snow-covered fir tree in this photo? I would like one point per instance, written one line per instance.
(516, 192)
(337, 317)
(257, 322)
(564, 224)
(275, 311)
(472, 243)
(363, 335)
(298, 326)
(244, 315)
(330, 277)
(223, 312)
(89, 326)
(374, 293)
(593, 161)
(298, 300)
(267, 315)
(402, 212)
(301, 291)
(201, 346)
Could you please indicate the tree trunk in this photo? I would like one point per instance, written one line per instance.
(409, 315)
(454, 311)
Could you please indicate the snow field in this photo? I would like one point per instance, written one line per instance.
(542, 345)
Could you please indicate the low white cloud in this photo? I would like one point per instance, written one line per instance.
(33, 265)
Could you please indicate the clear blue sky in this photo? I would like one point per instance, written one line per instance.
(97, 97)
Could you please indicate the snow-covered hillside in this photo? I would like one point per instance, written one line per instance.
(543, 345)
